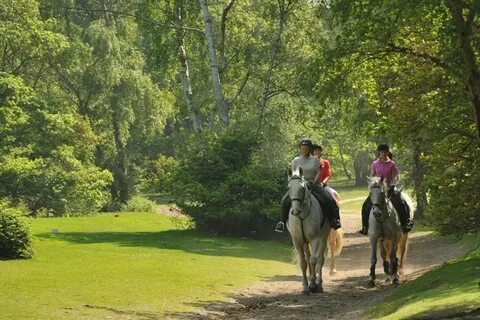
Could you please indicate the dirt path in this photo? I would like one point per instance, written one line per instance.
(346, 294)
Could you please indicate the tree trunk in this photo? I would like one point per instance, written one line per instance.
(222, 105)
(362, 168)
(418, 182)
(463, 19)
(344, 166)
(120, 170)
(184, 70)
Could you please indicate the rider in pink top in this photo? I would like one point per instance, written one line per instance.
(385, 167)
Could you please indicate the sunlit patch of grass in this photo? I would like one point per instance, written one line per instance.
(450, 288)
(129, 266)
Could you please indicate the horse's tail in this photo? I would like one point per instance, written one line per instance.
(335, 241)
(338, 242)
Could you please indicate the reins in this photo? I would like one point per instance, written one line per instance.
(306, 194)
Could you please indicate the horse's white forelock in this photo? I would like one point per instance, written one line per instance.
(372, 180)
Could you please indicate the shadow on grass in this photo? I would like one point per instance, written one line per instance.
(185, 240)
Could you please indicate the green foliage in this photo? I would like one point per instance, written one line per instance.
(158, 175)
(139, 204)
(227, 186)
(15, 232)
(454, 205)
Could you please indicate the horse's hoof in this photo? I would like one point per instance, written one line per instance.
(371, 283)
(313, 289)
(320, 289)
(395, 282)
(306, 292)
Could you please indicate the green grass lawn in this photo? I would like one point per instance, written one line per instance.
(129, 266)
(452, 289)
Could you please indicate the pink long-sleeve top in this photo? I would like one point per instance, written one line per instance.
(388, 170)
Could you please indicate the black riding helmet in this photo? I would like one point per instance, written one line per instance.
(305, 142)
(383, 147)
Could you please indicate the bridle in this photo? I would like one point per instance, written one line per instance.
(305, 195)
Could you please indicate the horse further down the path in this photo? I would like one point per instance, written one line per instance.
(335, 239)
(309, 230)
(385, 231)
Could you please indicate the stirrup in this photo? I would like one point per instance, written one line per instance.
(280, 227)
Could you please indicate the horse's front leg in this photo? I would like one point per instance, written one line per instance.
(322, 247)
(303, 266)
(385, 247)
(394, 264)
(373, 260)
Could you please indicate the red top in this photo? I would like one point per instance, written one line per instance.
(326, 172)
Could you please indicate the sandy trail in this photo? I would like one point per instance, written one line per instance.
(346, 295)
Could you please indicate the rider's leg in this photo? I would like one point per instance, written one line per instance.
(328, 204)
(402, 211)
(285, 208)
(366, 207)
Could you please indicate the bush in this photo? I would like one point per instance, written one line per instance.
(454, 206)
(139, 204)
(229, 186)
(15, 233)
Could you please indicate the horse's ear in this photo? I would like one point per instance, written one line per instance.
(370, 179)
(381, 179)
(300, 170)
(290, 172)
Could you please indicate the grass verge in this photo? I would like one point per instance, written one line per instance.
(450, 290)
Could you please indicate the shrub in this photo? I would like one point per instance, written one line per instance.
(139, 204)
(454, 206)
(15, 233)
(228, 186)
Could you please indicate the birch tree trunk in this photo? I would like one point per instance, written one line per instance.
(184, 70)
(222, 105)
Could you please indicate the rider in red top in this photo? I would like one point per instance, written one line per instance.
(323, 178)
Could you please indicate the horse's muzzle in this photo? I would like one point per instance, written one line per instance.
(377, 213)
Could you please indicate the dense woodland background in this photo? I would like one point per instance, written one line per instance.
(103, 102)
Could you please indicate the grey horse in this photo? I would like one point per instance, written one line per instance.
(309, 230)
(385, 231)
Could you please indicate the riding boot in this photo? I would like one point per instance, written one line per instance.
(285, 208)
(328, 204)
(366, 207)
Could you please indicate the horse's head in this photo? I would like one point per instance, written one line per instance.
(297, 189)
(378, 195)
